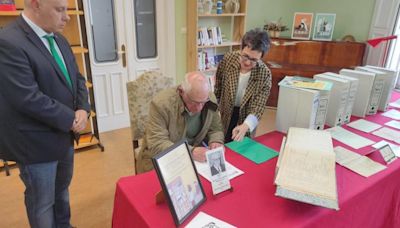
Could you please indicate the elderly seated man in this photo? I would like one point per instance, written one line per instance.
(186, 111)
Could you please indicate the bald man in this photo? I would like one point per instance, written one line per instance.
(186, 111)
(44, 105)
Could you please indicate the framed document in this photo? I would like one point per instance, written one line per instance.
(179, 181)
(302, 23)
(324, 25)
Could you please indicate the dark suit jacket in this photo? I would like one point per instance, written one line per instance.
(37, 106)
(214, 170)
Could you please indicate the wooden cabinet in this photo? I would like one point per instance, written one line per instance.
(232, 26)
(75, 32)
(288, 57)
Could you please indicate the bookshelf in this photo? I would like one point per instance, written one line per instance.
(231, 25)
(75, 33)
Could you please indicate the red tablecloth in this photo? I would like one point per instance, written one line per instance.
(364, 202)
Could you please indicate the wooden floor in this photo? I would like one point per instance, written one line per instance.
(93, 186)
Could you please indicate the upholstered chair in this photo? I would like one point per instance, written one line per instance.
(140, 94)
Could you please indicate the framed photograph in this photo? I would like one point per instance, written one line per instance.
(302, 24)
(179, 181)
(324, 25)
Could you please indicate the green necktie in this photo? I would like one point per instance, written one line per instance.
(58, 59)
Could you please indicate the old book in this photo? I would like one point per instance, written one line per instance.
(306, 170)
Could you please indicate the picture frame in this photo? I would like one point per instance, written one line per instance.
(324, 26)
(302, 26)
(179, 181)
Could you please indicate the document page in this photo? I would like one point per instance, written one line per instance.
(388, 134)
(392, 114)
(395, 104)
(204, 170)
(349, 138)
(357, 163)
(393, 124)
(204, 220)
(364, 125)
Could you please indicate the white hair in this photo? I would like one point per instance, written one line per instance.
(186, 84)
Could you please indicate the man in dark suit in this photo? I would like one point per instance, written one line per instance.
(44, 105)
(217, 165)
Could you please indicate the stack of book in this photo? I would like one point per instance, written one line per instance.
(209, 36)
(208, 60)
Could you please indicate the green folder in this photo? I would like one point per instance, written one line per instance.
(252, 150)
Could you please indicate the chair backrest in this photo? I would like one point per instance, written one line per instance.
(140, 94)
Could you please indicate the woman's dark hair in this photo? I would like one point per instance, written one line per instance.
(257, 40)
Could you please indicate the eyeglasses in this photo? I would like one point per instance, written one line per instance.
(196, 102)
(245, 57)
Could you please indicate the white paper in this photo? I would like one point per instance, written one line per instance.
(356, 162)
(393, 123)
(393, 114)
(395, 148)
(203, 220)
(204, 170)
(349, 138)
(364, 125)
(219, 175)
(388, 134)
(395, 104)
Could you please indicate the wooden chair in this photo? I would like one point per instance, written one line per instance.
(140, 94)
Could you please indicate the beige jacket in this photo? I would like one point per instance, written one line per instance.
(257, 91)
(167, 125)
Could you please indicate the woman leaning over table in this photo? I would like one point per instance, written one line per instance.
(242, 87)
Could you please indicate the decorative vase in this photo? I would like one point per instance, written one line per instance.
(207, 6)
(274, 34)
(232, 6)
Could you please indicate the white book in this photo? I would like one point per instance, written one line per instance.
(351, 97)
(377, 89)
(297, 107)
(365, 85)
(390, 83)
(337, 99)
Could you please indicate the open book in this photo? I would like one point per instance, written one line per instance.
(306, 168)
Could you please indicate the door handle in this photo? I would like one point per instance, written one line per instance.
(123, 55)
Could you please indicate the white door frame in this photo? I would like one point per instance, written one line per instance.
(165, 22)
(382, 24)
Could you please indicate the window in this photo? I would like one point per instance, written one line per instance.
(146, 30)
(103, 30)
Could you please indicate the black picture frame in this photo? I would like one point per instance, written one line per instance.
(179, 180)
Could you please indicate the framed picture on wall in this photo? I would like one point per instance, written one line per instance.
(302, 24)
(324, 25)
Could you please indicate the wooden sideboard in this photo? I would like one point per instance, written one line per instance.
(288, 57)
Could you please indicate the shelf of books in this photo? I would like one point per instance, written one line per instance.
(210, 36)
